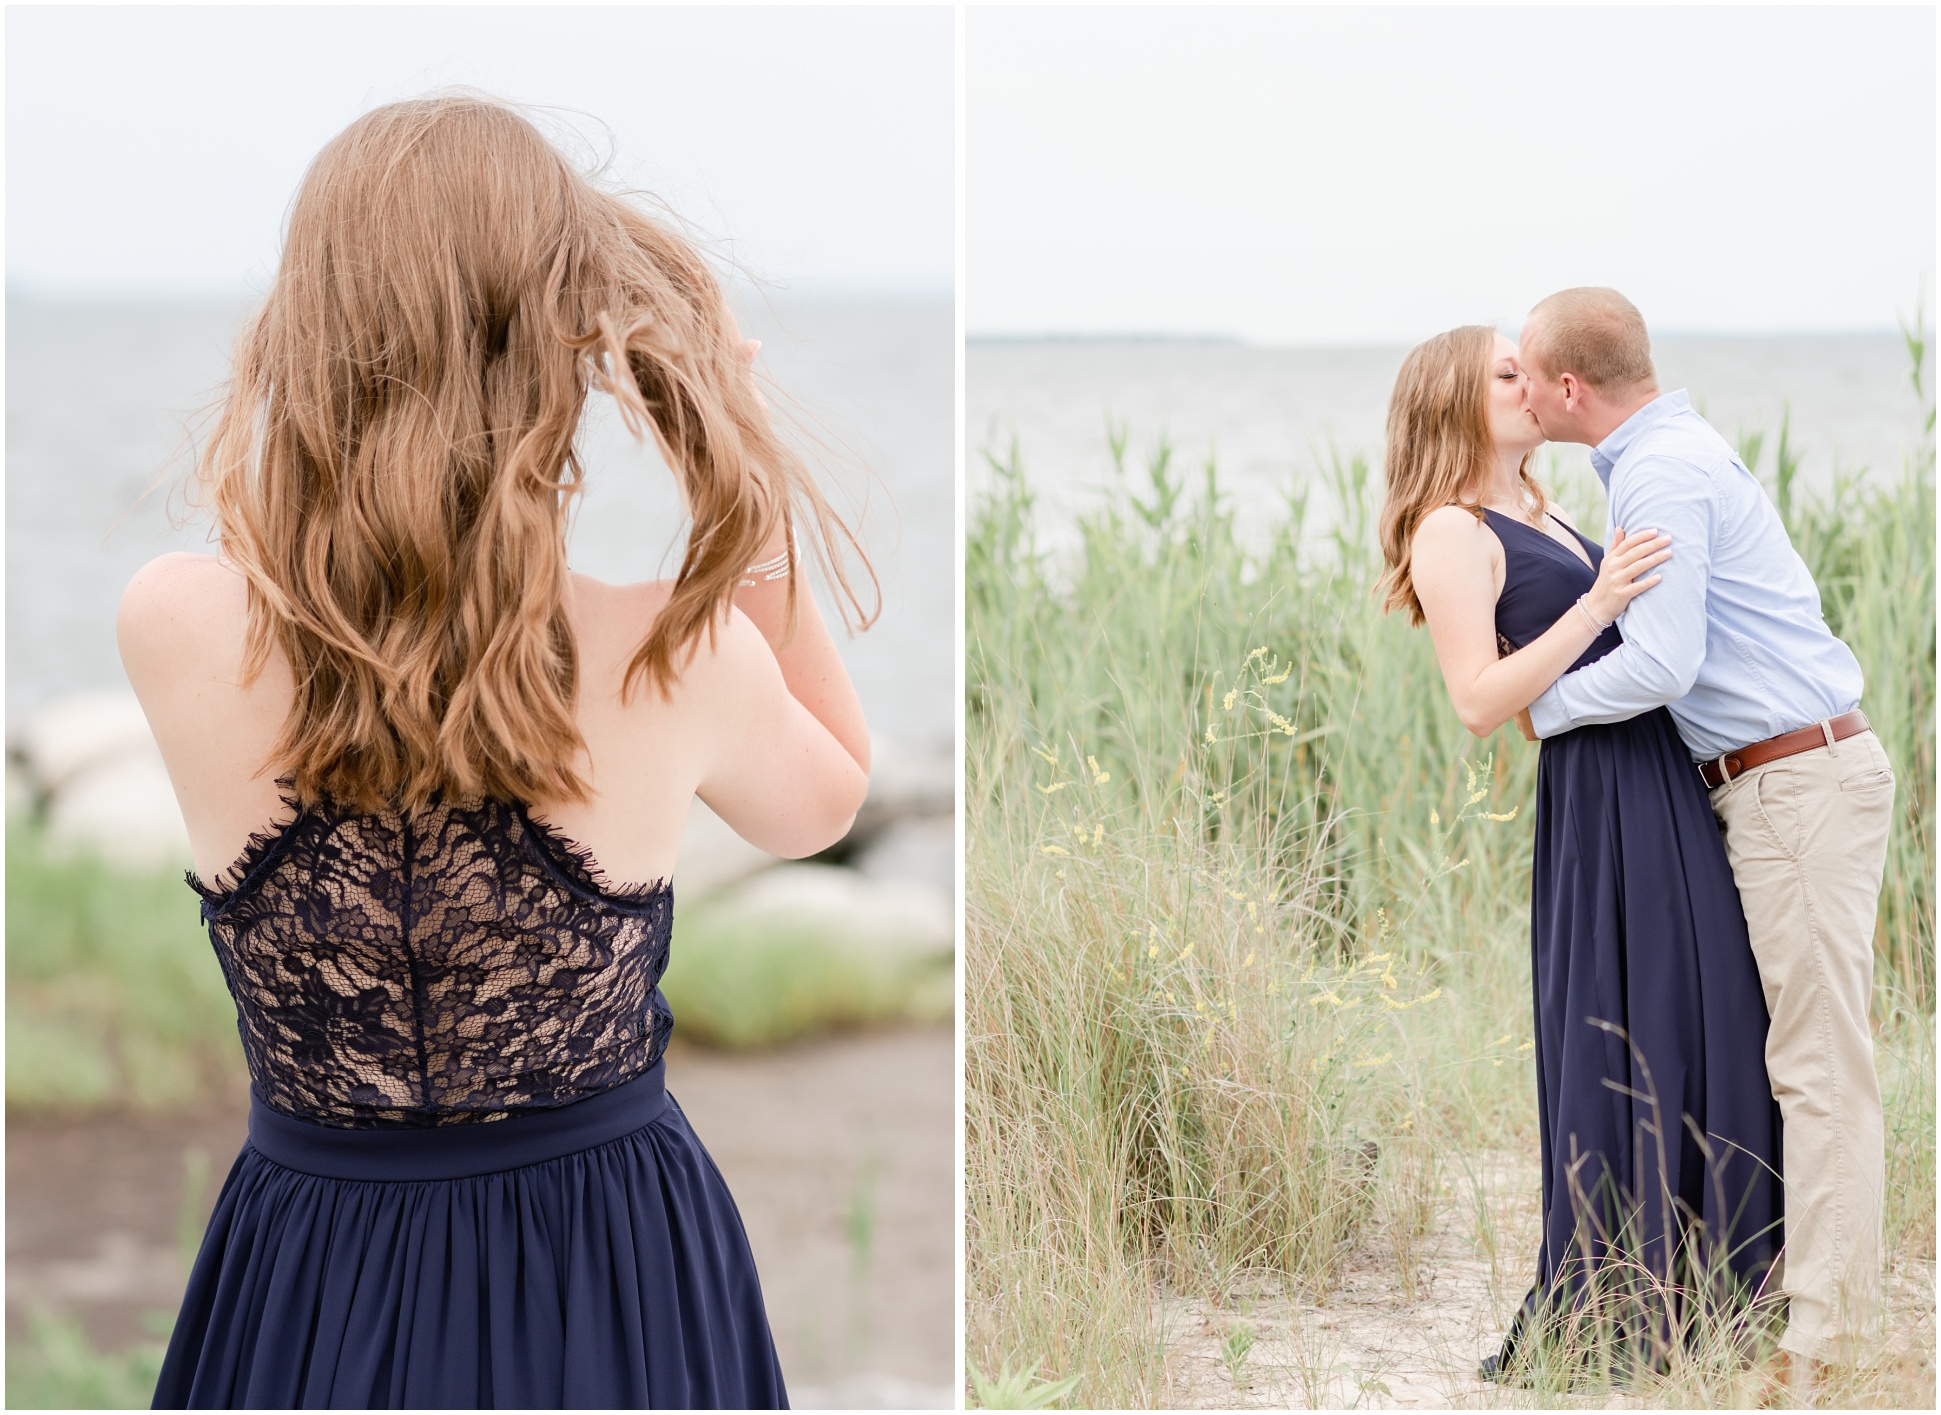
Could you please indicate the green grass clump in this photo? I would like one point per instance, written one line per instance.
(741, 979)
(1247, 934)
(56, 1367)
(114, 996)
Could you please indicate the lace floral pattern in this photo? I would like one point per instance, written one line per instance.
(454, 967)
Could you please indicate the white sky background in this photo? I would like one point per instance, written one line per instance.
(1342, 175)
(153, 151)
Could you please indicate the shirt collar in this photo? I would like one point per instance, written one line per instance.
(1606, 455)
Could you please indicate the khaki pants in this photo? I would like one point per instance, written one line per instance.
(1807, 836)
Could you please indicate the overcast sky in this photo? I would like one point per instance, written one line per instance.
(154, 150)
(1315, 175)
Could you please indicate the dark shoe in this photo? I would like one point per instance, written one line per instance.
(1497, 1371)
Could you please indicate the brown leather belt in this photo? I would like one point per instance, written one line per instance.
(1716, 773)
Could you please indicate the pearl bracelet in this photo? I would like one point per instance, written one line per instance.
(1583, 608)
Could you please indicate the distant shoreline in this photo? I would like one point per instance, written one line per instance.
(1234, 341)
(1226, 340)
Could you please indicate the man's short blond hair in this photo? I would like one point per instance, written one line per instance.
(1594, 333)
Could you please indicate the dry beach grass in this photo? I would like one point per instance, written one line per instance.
(1249, 1104)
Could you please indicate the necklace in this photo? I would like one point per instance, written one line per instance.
(1520, 511)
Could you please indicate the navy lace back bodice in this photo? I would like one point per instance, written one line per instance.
(457, 965)
(1541, 581)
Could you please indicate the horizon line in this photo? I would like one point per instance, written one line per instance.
(151, 296)
(1374, 342)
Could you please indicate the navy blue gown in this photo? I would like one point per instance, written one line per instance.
(1660, 1135)
(465, 1183)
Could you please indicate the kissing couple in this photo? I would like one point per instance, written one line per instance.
(1711, 825)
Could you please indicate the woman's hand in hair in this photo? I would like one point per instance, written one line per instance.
(811, 667)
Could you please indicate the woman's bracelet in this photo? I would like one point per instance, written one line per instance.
(1583, 608)
(777, 567)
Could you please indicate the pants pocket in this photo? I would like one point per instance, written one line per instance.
(1871, 781)
(1777, 794)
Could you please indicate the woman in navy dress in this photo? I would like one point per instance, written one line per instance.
(415, 754)
(1659, 1135)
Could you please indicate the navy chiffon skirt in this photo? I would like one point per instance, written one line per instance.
(1660, 1136)
(585, 1257)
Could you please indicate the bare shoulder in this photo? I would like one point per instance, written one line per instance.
(1454, 531)
(611, 621)
(606, 614)
(183, 579)
(177, 604)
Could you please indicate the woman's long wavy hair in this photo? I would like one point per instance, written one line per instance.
(1439, 449)
(393, 465)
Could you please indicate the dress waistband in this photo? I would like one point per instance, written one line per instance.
(463, 1150)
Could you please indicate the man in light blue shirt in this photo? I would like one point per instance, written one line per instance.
(1732, 641)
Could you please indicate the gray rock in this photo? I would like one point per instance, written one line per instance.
(23, 797)
(918, 848)
(906, 779)
(122, 809)
(899, 915)
(75, 733)
(712, 855)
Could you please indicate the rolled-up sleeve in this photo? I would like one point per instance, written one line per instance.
(1664, 628)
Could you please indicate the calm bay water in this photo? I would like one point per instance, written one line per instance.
(1271, 417)
(97, 399)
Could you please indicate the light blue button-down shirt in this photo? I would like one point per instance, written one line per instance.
(1732, 639)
